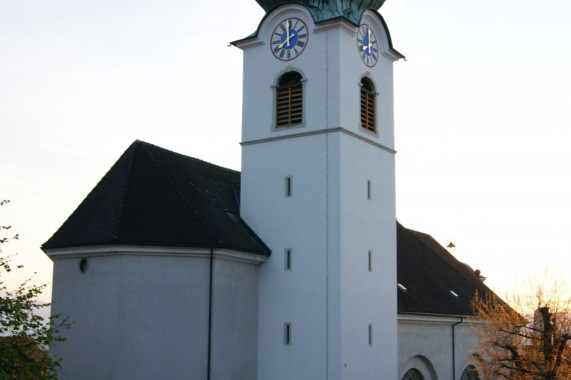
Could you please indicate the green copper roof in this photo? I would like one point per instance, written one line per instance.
(327, 9)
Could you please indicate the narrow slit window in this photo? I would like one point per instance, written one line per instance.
(83, 265)
(287, 333)
(370, 264)
(369, 189)
(370, 334)
(368, 95)
(288, 186)
(288, 259)
(289, 100)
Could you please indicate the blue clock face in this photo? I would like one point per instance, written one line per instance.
(289, 39)
(367, 45)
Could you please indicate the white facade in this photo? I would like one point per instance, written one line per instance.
(330, 298)
(436, 346)
(144, 313)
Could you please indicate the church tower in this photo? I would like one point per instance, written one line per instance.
(318, 187)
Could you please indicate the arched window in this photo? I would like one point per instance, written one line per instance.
(368, 105)
(289, 100)
(413, 374)
(470, 373)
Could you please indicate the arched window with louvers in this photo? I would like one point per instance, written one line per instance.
(368, 97)
(289, 100)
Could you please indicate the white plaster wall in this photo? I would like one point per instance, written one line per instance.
(90, 300)
(425, 343)
(298, 222)
(145, 316)
(234, 320)
(368, 297)
(262, 70)
(351, 71)
(333, 71)
(466, 342)
(328, 223)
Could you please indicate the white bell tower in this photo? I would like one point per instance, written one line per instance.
(318, 187)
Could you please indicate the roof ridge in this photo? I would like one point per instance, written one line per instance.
(474, 280)
(176, 189)
(411, 232)
(153, 146)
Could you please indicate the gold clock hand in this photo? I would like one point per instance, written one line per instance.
(369, 44)
(286, 40)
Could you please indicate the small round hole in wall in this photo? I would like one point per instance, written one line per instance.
(83, 265)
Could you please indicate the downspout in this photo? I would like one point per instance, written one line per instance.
(454, 347)
(327, 327)
(208, 370)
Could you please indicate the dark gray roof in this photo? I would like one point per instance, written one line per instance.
(430, 274)
(155, 197)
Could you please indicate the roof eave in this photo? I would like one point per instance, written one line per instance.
(146, 250)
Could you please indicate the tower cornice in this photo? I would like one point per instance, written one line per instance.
(322, 22)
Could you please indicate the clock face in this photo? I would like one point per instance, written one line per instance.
(289, 39)
(367, 45)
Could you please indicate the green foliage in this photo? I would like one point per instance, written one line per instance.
(24, 334)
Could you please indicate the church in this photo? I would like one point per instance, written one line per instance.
(294, 268)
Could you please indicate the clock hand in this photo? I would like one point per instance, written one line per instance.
(286, 40)
(369, 44)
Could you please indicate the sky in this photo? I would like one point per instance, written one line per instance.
(482, 114)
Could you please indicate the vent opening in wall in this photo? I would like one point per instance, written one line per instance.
(370, 261)
(289, 100)
(83, 265)
(369, 189)
(370, 334)
(287, 333)
(288, 259)
(368, 105)
(288, 186)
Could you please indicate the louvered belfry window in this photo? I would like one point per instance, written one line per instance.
(368, 105)
(289, 100)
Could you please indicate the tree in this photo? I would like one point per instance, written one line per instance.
(24, 334)
(530, 340)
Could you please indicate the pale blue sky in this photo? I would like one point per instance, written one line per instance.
(482, 113)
